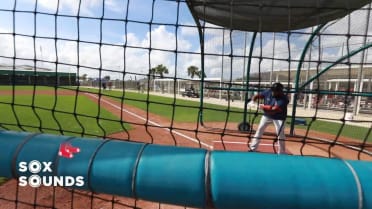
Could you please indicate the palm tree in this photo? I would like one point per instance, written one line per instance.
(159, 70)
(83, 77)
(199, 74)
(193, 71)
(152, 73)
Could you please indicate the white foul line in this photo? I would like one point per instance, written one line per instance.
(245, 143)
(152, 122)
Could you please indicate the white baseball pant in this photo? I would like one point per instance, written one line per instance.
(279, 126)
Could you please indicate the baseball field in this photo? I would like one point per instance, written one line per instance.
(153, 119)
(182, 110)
(74, 111)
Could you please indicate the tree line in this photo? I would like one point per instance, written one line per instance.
(160, 71)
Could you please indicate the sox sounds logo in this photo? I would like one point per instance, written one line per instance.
(42, 171)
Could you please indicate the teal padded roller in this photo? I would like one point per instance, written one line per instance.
(9, 141)
(119, 160)
(254, 180)
(195, 177)
(364, 173)
(177, 174)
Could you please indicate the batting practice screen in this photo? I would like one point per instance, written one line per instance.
(185, 104)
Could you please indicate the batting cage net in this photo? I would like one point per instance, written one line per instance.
(185, 103)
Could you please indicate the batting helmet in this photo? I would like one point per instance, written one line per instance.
(277, 87)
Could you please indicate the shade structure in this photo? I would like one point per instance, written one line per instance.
(271, 15)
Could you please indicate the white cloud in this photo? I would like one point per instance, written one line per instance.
(6, 46)
(189, 31)
(162, 39)
(132, 40)
(163, 44)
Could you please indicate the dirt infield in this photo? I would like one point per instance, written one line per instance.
(152, 128)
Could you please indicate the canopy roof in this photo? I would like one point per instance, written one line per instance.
(271, 15)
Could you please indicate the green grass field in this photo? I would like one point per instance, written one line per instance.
(179, 110)
(26, 88)
(187, 111)
(63, 118)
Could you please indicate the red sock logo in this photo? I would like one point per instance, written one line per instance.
(67, 150)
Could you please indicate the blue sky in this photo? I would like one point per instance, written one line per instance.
(112, 30)
(136, 33)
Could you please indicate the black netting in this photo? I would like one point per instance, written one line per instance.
(182, 73)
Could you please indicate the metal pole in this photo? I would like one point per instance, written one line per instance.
(244, 61)
(201, 33)
(223, 53)
(360, 72)
(297, 79)
(352, 53)
(272, 61)
(248, 76)
(308, 73)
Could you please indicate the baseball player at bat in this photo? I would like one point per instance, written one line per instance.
(275, 111)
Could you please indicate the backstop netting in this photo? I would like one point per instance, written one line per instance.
(147, 104)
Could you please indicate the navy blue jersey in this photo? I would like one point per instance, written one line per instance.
(281, 101)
